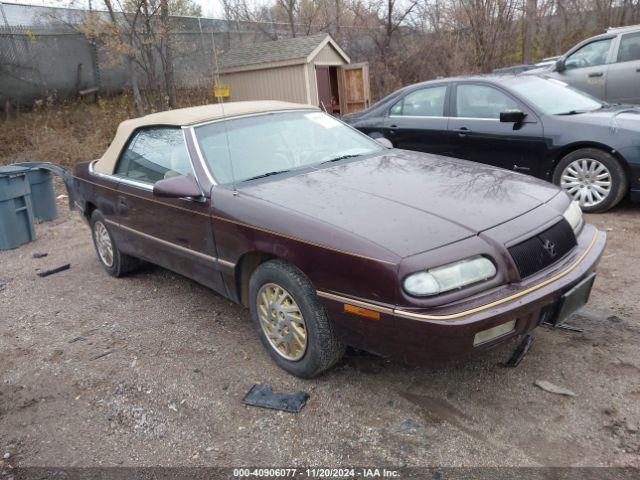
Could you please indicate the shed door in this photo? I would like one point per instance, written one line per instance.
(355, 87)
(323, 80)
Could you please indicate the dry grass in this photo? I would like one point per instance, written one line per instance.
(72, 132)
(64, 134)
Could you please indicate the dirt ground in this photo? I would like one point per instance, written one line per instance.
(180, 358)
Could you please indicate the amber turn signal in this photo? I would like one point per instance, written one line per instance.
(363, 312)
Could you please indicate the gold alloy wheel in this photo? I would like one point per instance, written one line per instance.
(282, 322)
(103, 243)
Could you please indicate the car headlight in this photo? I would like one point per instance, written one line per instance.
(573, 215)
(449, 277)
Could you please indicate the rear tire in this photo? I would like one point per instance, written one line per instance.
(291, 321)
(592, 177)
(114, 262)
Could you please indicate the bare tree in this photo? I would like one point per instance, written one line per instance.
(167, 57)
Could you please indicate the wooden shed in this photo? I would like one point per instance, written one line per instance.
(311, 69)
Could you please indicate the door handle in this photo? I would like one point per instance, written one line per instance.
(122, 204)
(462, 131)
(596, 74)
(394, 127)
(638, 70)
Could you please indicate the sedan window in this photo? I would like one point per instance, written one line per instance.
(552, 96)
(481, 101)
(629, 47)
(155, 154)
(426, 102)
(591, 55)
(264, 145)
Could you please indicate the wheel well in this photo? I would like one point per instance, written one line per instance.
(88, 209)
(245, 267)
(577, 146)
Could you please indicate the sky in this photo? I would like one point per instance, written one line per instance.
(210, 8)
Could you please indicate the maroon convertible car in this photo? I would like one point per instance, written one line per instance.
(333, 239)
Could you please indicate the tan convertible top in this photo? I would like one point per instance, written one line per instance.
(182, 117)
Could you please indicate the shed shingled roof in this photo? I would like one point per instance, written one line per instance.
(283, 50)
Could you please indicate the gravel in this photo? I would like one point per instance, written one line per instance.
(181, 358)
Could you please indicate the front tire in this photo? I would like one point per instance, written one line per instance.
(112, 259)
(592, 177)
(291, 321)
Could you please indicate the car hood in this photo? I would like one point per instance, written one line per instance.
(625, 117)
(406, 202)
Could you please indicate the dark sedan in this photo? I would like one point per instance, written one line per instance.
(331, 239)
(527, 124)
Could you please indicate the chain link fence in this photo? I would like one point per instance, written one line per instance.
(51, 56)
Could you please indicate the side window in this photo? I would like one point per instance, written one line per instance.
(591, 55)
(427, 102)
(154, 154)
(481, 101)
(629, 47)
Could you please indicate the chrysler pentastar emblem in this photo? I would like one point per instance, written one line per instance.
(550, 248)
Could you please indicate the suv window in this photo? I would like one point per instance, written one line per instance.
(426, 102)
(591, 55)
(629, 47)
(481, 101)
(154, 154)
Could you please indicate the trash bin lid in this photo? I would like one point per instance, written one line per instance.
(12, 170)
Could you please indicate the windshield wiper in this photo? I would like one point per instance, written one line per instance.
(341, 157)
(268, 174)
(572, 112)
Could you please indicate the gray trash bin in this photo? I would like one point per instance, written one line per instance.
(16, 213)
(43, 197)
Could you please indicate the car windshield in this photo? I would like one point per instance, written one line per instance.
(257, 146)
(553, 97)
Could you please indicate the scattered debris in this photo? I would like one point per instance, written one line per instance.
(520, 351)
(77, 339)
(409, 425)
(3, 285)
(6, 455)
(173, 407)
(61, 268)
(40, 255)
(60, 197)
(263, 396)
(551, 388)
(103, 354)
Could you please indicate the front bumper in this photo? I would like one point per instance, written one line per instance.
(426, 336)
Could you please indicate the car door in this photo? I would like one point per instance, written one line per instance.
(623, 77)
(479, 135)
(175, 233)
(586, 68)
(417, 121)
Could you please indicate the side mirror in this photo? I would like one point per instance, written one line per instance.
(512, 116)
(177, 187)
(385, 142)
(559, 65)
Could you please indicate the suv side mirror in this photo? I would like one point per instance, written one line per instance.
(177, 187)
(512, 116)
(560, 66)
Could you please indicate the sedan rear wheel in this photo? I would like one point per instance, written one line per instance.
(593, 178)
(113, 260)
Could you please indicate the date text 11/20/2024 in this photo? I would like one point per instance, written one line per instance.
(316, 472)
